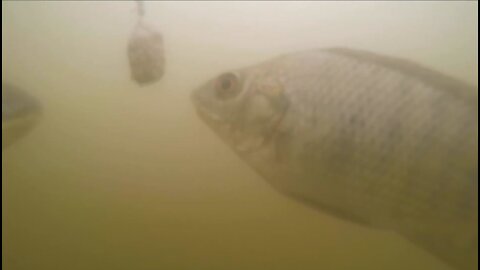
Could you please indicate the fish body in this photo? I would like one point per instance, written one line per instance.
(376, 140)
(20, 113)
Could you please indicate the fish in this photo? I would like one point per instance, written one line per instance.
(376, 140)
(20, 113)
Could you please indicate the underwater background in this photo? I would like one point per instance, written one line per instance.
(117, 176)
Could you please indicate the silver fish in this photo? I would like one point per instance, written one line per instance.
(372, 139)
(20, 112)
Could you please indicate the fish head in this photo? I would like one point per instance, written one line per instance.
(20, 113)
(243, 107)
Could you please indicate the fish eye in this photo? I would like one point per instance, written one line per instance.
(227, 86)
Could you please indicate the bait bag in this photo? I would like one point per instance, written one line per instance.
(145, 54)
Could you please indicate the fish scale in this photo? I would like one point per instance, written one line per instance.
(372, 139)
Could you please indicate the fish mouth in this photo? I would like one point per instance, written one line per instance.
(17, 104)
(226, 131)
(213, 121)
(33, 111)
(18, 126)
(210, 118)
(21, 121)
(20, 113)
(228, 135)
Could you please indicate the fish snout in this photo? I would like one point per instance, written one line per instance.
(18, 104)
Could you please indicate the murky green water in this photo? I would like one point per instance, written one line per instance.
(121, 177)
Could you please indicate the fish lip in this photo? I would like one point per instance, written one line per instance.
(207, 118)
(34, 111)
(30, 115)
(214, 125)
(223, 133)
(26, 120)
(203, 113)
(18, 104)
(14, 129)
